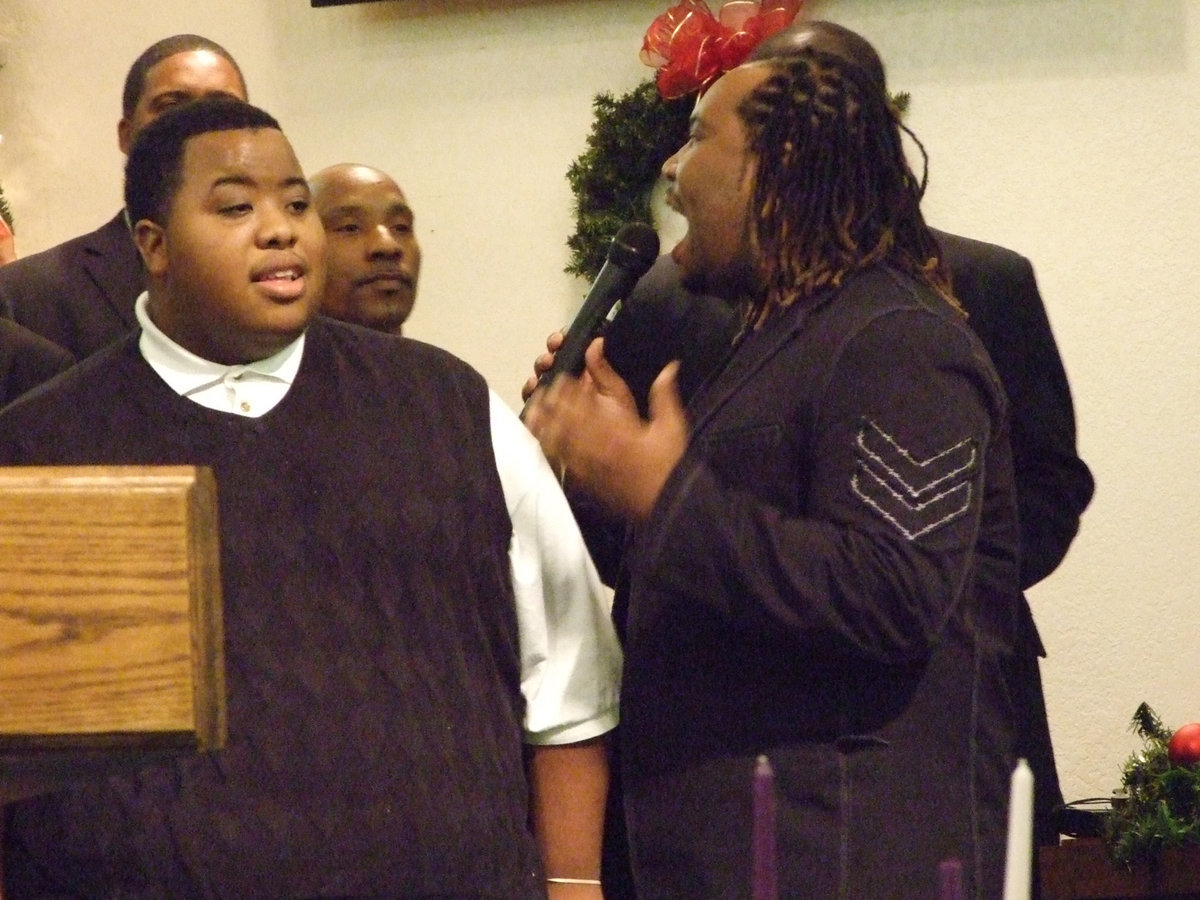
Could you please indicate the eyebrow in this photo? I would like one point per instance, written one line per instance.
(176, 94)
(354, 209)
(247, 181)
(172, 94)
(346, 209)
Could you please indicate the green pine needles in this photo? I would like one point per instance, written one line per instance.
(1161, 808)
(631, 137)
(5, 212)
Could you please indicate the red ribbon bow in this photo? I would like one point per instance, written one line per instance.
(692, 48)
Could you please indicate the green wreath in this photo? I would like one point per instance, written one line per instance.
(631, 137)
(5, 212)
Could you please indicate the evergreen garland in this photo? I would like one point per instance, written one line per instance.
(1161, 807)
(5, 212)
(631, 137)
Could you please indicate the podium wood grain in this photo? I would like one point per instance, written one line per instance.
(110, 613)
(1081, 869)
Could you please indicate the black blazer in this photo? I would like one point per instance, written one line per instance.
(999, 292)
(661, 321)
(788, 595)
(80, 294)
(26, 360)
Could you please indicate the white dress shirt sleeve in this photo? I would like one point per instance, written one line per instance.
(570, 656)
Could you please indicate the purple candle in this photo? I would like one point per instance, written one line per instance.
(764, 877)
(950, 875)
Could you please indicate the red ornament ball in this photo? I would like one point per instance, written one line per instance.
(1184, 746)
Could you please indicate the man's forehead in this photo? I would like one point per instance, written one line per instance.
(730, 89)
(240, 154)
(188, 69)
(198, 56)
(359, 196)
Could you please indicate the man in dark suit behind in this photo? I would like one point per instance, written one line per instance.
(26, 360)
(80, 294)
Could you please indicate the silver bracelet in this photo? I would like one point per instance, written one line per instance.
(595, 881)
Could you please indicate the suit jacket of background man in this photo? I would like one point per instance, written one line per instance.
(79, 294)
(999, 292)
(26, 360)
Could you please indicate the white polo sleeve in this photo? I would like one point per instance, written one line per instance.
(570, 656)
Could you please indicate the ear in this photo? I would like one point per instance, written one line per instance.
(124, 136)
(151, 240)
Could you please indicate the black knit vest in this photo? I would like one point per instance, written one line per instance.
(371, 648)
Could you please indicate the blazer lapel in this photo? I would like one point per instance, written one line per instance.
(111, 260)
(752, 351)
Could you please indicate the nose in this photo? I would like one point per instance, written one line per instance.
(383, 243)
(671, 166)
(277, 227)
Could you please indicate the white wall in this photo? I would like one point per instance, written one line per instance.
(1066, 129)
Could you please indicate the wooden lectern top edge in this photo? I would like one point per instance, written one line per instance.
(83, 477)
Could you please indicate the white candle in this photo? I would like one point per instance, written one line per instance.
(1018, 863)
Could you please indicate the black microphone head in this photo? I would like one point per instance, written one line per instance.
(634, 248)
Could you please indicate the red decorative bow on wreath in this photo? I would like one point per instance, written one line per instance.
(692, 48)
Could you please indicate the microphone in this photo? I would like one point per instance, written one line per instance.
(630, 256)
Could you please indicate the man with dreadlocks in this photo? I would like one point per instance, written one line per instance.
(822, 567)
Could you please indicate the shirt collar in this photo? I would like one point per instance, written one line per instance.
(186, 372)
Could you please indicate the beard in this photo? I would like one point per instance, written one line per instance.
(734, 283)
(733, 278)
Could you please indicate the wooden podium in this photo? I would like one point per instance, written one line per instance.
(1080, 869)
(111, 641)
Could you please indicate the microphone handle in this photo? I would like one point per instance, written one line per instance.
(612, 285)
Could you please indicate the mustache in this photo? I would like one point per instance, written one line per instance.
(386, 275)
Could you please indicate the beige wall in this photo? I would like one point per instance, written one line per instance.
(1066, 129)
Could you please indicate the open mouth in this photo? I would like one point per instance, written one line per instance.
(285, 283)
(279, 275)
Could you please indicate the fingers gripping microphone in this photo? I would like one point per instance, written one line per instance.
(630, 255)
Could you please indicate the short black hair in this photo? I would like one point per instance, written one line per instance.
(135, 80)
(155, 166)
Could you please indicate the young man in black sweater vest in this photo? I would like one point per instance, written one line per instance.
(377, 662)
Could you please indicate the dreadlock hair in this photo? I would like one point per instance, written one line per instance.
(833, 191)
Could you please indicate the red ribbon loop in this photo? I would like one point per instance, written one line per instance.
(691, 48)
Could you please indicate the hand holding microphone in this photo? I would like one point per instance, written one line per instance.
(630, 255)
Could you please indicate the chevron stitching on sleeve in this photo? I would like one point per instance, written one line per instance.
(914, 495)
